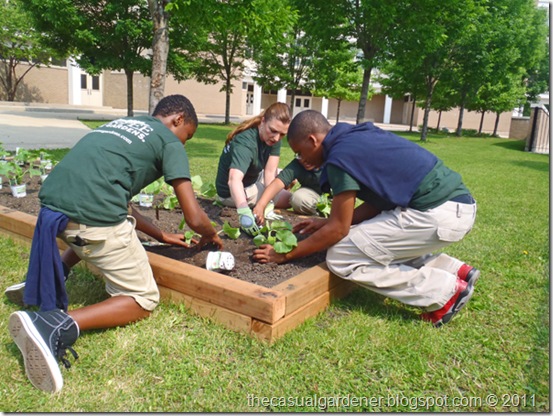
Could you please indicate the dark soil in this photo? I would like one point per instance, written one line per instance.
(267, 275)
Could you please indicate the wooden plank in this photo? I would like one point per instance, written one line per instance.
(230, 319)
(272, 332)
(247, 298)
(307, 286)
(17, 222)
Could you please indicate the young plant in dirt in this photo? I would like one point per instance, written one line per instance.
(324, 204)
(16, 173)
(278, 234)
(206, 190)
(231, 232)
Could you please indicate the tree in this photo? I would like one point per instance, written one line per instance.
(105, 34)
(368, 23)
(227, 30)
(426, 41)
(160, 51)
(345, 84)
(21, 48)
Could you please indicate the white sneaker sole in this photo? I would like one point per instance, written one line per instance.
(14, 293)
(41, 366)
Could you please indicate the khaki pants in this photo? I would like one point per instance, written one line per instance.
(389, 254)
(304, 201)
(117, 252)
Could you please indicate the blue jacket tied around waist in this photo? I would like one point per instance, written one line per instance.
(45, 284)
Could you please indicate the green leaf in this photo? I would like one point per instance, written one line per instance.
(259, 240)
(230, 231)
(288, 238)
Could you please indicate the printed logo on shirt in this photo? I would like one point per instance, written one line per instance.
(137, 128)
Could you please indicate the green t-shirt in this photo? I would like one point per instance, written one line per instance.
(306, 178)
(95, 181)
(438, 186)
(247, 153)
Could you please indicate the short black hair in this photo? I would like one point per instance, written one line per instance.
(305, 123)
(176, 104)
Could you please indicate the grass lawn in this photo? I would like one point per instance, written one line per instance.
(365, 353)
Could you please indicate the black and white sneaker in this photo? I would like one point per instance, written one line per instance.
(44, 338)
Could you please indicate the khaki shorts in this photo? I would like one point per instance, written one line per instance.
(119, 255)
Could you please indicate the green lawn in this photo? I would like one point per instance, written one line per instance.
(365, 353)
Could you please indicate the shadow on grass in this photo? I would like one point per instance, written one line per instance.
(373, 304)
(517, 145)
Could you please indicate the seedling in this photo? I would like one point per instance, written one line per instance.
(231, 232)
(278, 234)
(207, 190)
(324, 205)
(15, 173)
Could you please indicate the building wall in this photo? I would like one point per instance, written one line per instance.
(50, 85)
(471, 120)
(207, 99)
(520, 127)
(42, 85)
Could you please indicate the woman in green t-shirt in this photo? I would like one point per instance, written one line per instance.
(249, 160)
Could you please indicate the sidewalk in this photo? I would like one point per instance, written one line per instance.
(51, 126)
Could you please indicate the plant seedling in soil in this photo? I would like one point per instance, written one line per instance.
(324, 205)
(278, 234)
(230, 231)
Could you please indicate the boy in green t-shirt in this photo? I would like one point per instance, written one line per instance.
(303, 200)
(85, 203)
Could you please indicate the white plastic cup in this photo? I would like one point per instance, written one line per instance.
(219, 260)
(145, 200)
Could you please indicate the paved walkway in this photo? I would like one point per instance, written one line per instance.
(47, 126)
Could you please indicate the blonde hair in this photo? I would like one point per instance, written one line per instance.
(280, 111)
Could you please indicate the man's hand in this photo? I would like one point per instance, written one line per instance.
(174, 239)
(212, 239)
(266, 254)
(309, 226)
(247, 221)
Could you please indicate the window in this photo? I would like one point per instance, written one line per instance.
(83, 81)
(96, 82)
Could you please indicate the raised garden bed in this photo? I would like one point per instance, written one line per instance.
(261, 311)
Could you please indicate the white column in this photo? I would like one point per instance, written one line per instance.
(281, 95)
(256, 99)
(387, 110)
(324, 107)
(74, 82)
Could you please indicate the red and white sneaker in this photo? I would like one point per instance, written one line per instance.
(469, 274)
(442, 316)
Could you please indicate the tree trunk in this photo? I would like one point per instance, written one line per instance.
(481, 122)
(427, 103)
(496, 125)
(160, 51)
(459, 130)
(412, 114)
(228, 92)
(338, 111)
(292, 102)
(364, 93)
(439, 121)
(130, 92)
